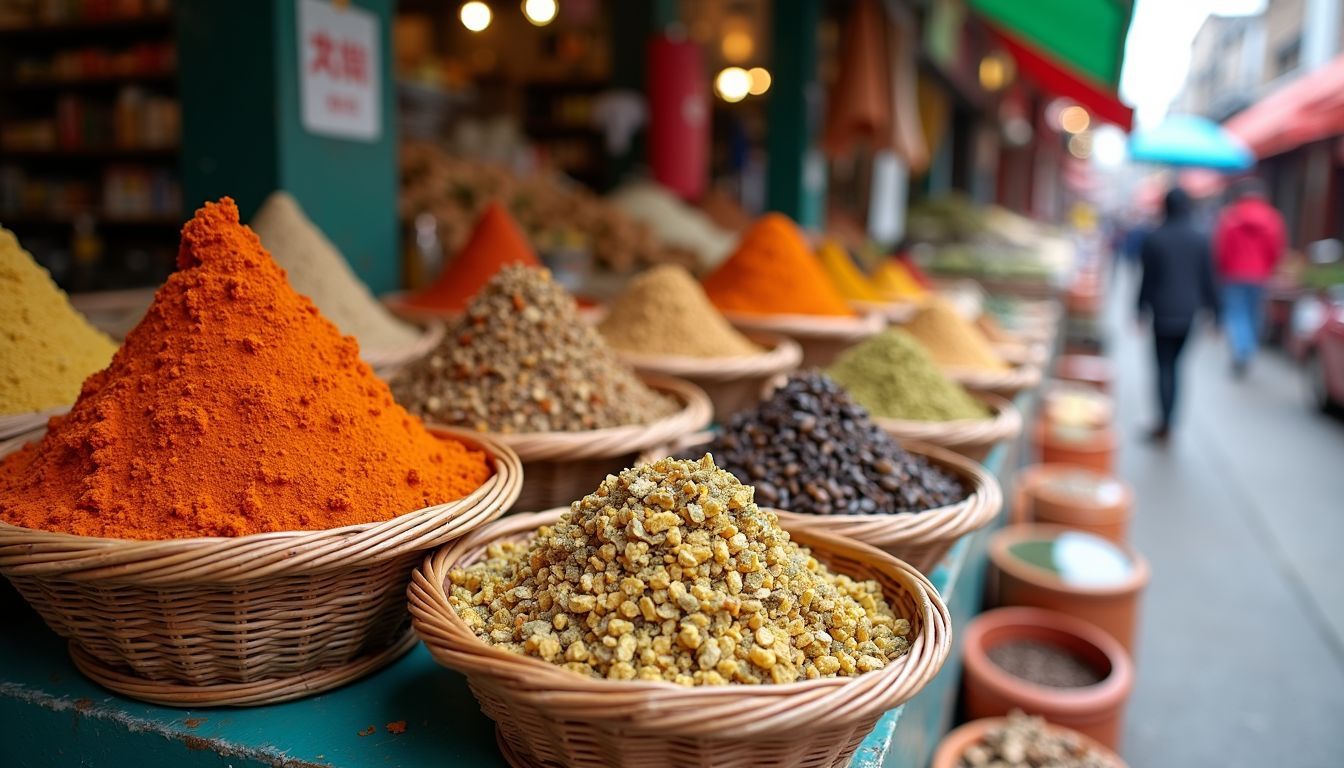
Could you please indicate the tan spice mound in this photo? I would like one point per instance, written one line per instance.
(670, 571)
(952, 340)
(317, 269)
(233, 408)
(664, 311)
(521, 360)
(47, 348)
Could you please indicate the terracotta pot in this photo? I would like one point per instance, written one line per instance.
(1087, 577)
(962, 738)
(1082, 447)
(1093, 370)
(1094, 710)
(1074, 497)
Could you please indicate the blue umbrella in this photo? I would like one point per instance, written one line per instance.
(1193, 141)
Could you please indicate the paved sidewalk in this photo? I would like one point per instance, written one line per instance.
(1241, 657)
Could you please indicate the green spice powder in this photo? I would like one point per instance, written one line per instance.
(894, 377)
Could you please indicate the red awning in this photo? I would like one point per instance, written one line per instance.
(1054, 78)
(1306, 110)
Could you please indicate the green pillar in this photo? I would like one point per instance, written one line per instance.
(795, 177)
(243, 134)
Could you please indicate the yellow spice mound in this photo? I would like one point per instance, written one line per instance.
(952, 340)
(47, 348)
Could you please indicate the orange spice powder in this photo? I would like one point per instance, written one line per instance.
(233, 408)
(495, 242)
(773, 272)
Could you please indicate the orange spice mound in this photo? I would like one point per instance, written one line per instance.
(495, 242)
(773, 272)
(233, 408)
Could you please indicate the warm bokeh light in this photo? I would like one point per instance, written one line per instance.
(1074, 119)
(760, 80)
(733, 84)
(737, 46)
(1080, 145)
(996, 71)
(475, 15)
(540, 12)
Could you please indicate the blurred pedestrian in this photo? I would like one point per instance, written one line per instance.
(1177, 282)
(1247, 245)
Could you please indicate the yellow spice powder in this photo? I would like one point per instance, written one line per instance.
(47, 348)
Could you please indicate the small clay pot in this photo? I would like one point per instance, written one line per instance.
(963, 737)
(1094, 710)
(1075, 497)
(1092, 370)
(1110, 601)
(1092, 448)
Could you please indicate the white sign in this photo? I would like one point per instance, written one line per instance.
(339, 77)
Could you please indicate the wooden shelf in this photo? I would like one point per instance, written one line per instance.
(147, 154)
(63, 32)
(45, 220)
(88, 83)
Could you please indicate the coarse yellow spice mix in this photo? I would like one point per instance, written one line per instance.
(670, 571)
(47, 348)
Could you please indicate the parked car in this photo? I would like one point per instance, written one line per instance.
(1324, 353)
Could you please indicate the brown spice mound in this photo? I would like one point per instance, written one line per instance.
(664, 311)
(521, 360)
(233, 408)
(396, 727)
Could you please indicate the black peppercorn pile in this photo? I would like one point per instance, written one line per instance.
(810, 448)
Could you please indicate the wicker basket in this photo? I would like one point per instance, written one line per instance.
(17, 424)
(548, 716)
(923, 538)
(822, 338)
(243, 621)
(1009, 383)
(386, 362)
(972, 438)
(564, 466)
(732, 383)
(895, 312)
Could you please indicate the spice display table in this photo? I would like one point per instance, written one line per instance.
(53, 716)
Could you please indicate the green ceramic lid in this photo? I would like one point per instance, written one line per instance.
(1077, 558)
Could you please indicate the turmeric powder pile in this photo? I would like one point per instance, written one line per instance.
(233, 408)
(46, 347)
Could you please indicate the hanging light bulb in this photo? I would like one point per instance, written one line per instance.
(475, 15)
(540, 12)
(733, 84)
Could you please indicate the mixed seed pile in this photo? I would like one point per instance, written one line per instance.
(810, 448)
(1024, 742)
(521, 360)
(670, 571)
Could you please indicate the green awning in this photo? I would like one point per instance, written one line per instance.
(1086, 36)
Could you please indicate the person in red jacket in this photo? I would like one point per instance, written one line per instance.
(1247, 245)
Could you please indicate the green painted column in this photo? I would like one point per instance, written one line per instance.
(243, 133)
(795, 177)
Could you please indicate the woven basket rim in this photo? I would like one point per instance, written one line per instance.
(18, 424)
(225, 560)
(895, 311)
(396, 303)
(697, 411)
(431, 332)
(1019, 376)
(1004, 423)
(940, 524)
(781, 354)
(857, 326)
(435, 621)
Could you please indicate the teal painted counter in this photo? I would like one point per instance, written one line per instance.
(51, 716)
